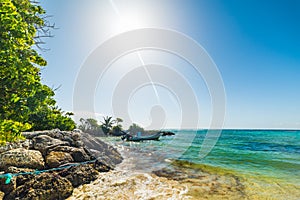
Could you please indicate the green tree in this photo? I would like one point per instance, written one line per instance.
(134, 129)
(10, 131)
(107, 124)
(23, 97)
(118, 121)
(91, 126)
(117, 128)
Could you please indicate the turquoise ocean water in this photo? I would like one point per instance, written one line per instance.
(268, 161)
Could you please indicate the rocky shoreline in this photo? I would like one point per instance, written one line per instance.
(50, 164)
(139, 177)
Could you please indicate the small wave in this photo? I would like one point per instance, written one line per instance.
(257, 146)
(127, 185)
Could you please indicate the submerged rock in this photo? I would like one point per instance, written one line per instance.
(22, 158)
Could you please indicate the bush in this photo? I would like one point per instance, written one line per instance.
(134, 129)
(25, 102)
(10, 131)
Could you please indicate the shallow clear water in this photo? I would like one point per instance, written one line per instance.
(268, 162)
(268, 153)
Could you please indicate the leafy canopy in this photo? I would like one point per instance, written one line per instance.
(91, 126)
(23, 98)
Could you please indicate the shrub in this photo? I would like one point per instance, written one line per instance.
(10, 131)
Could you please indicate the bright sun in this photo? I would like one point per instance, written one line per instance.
(129, 17)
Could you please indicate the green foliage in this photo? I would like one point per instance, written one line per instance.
(46, 119)
(118, 121)
(23, 97)
(107, 124)
(117, 128)
(134, 129)
(10, 131)
(90, 126)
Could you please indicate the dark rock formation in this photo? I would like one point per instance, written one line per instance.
(20, 180)
(48, 164)
(43, 143)
(44, 186)
(81, 174)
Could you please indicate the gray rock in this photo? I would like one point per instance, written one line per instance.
(79, 155)
(44, 142)
(56, 133)
(78, 144)
(99, 148)
(104, 164)
(68, 139)
(76, 130)
(22, 158)
(31, 135)
(26, 144)
(10, 146)
(75, 136)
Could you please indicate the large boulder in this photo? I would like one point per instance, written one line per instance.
(78, 154)
(57, 158)
(48, 186)
(44, 143)
(22, 158)
(81, 174)
(104, 164)
(98, 148)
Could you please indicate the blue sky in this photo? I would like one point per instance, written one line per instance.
(255, 45)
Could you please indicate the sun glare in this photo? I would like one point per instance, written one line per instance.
(128, 17)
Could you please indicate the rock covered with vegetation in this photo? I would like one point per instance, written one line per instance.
(49, 164)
